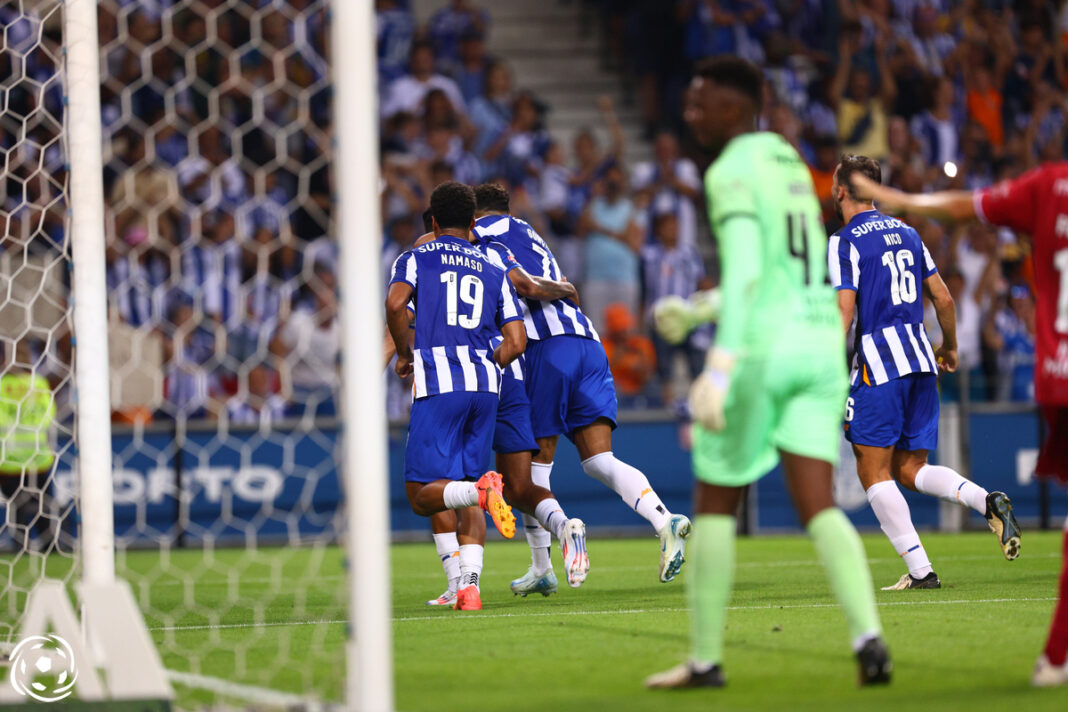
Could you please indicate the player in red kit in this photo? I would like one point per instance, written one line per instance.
(1036, 203)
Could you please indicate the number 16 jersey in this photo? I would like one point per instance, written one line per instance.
(462, 301)
(885, 262)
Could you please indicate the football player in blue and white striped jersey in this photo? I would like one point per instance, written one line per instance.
(878, 264)
(463, 302)
(513, 441)
(570, 388)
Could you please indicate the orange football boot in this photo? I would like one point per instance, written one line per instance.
(491, 499)
(468, 599)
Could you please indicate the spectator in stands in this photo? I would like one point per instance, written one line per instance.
(985, 105)
(937, 128)
(1010, 333)
(191, 384)
(395, 29)
(590, 162)
(826, 160)
(407, 92)
(671, 184)
(309, 345)
(451, 23)
(211, 269)
(443, 143)
(862, 113)
(672, 268)
(631, 356)
(491, 111)
(470, 69)
(614, 235)
(260, 403)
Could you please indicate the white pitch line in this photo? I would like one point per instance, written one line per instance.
(620, 611)
(250, 693)
(432, 573)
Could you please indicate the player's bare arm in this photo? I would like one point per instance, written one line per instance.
(515, 342)
(943, 205)
(398, 319)
(946, 311)
(540, 288)
(847, 305)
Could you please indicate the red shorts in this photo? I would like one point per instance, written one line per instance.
(1053, 459)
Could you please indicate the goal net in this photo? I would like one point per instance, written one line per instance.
(223, 329)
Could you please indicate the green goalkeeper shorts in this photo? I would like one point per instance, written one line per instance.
(791, 403)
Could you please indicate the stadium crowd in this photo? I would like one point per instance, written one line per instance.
(217, 150)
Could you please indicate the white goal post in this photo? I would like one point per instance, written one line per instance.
(187, 528)
(359, 234)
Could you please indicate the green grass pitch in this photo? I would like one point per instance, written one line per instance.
(275, 618)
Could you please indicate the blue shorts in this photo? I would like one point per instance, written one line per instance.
(449, 436)
(514, 432)
(902, 413)
(569, 385)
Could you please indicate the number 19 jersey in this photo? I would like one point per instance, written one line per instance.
(462, 301)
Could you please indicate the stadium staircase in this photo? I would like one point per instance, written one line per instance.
(554, 49)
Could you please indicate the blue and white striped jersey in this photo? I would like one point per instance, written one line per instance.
(462, 300)
(885, 262)
(212, 272)
(542, 319)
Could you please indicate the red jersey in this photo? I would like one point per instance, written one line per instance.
(1037, 203)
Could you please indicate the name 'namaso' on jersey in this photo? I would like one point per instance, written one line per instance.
(517, 238)
(462, 300)
(885, 262)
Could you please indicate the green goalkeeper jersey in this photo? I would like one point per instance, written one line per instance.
(777, 298)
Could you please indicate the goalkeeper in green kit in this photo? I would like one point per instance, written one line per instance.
(774, 385)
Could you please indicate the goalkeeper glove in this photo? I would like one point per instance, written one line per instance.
(675, 317)
(708, 394)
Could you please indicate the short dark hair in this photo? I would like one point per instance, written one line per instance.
(492, 196)
(453, 205)
(851, 163)
(428, 220)
(734, 72)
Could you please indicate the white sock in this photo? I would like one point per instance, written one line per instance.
(458, 495)
(540, 472)
(470, 565)
(539, 542)
(537, 537)
(449, 553)
(892, 510)
(551, 516)
(630, 484)
(943, 482)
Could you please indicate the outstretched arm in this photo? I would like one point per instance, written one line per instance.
(944, 204)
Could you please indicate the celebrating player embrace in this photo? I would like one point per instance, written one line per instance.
(463, 301)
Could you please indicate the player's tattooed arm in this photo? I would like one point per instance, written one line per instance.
(946, 311)
(514, 343)
(397, 319)
(544, 290)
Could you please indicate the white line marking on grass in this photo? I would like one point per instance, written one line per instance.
(614, 612)
(258, 695)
